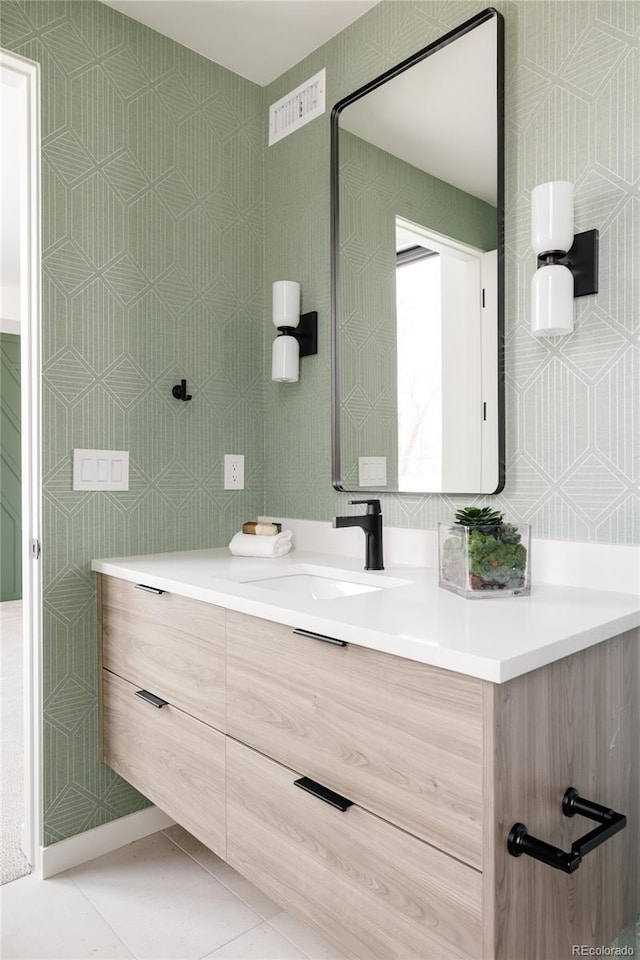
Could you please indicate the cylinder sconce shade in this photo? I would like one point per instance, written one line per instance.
(285, 359)
(286, 304)
(552, 301)
(552, 216)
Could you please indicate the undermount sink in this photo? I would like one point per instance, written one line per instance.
(314, 588)
(310, 582)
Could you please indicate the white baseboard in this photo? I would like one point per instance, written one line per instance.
(596, 566)
(94, 843)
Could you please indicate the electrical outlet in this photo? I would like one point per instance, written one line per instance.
(372, 472)
(233, 471)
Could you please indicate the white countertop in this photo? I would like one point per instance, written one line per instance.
(493, 639)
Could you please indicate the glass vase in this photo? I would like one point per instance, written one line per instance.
(485, 561)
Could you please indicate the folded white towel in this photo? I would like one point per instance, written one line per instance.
(248, 545)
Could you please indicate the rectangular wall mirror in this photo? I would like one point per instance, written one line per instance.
(417, 271)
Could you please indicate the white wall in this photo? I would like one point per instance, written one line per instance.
(11, 119)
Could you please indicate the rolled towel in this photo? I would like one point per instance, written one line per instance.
(248, 545)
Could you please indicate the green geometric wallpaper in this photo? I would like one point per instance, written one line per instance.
(375, 188)
(10, 469)
(165, 220)
(572, 84)
(152, 271)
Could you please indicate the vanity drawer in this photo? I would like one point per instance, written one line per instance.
(374, 889)
(173, 759)
(400, 738)
(172, 645)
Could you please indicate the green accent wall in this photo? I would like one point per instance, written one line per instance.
(573, 403)
(10, 469)
(375, 188)
(152, 271)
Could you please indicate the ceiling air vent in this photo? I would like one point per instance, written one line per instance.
(298, 107)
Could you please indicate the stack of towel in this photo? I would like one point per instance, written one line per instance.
(250, 545)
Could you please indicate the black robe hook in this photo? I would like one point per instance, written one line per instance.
(180, 391)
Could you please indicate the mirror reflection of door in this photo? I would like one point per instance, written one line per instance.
(417, 209)
(447, 426)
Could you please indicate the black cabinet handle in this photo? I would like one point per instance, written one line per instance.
(323, 793)
(320, 636)
(519, 841)
(143, 586)
(152, 699)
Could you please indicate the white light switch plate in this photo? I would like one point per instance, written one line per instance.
(372, 471)
(100, 469)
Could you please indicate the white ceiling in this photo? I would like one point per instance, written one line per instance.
(440, 115)
(259, 39)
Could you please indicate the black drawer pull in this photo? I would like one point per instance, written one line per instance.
(152, 699)
(323, 793)
(320, 636)
(520, 841)
(143, 586)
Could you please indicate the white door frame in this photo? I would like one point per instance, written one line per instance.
(24, 75)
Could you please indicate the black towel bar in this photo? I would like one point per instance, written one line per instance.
(520, 841)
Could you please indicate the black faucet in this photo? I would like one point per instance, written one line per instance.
(371, 523)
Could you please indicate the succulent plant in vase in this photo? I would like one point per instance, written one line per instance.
(478, 517)
(480, 552)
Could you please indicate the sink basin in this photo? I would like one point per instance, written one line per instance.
(308, 587)
(311, 582)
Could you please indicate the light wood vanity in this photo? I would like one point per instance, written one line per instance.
(434, 767)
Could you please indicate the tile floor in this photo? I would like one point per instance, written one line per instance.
(165, 896)
(12, 861)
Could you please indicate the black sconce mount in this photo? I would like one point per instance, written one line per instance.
(582, 261)
(306, 333)
(180, 391)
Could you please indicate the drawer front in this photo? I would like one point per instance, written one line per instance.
(374, 889)
(400, 738)
(172, 645)
(174, 760)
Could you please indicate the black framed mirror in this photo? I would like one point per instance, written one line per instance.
(417, 271)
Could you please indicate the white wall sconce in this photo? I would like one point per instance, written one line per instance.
(297, 335)
(567, 264)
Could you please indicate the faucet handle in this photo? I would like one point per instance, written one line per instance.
(373, 506)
